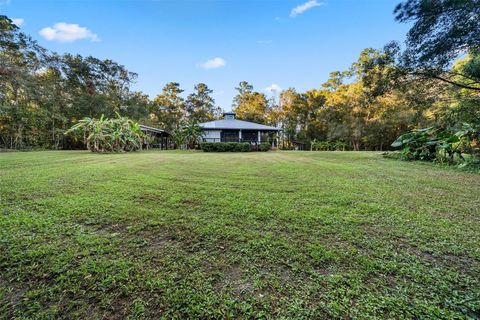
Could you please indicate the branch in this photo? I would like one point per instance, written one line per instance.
(461, 85)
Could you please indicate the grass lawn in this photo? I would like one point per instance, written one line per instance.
(244, 235)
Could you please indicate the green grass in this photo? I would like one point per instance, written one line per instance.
(245, 235)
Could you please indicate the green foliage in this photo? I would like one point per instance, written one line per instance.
(179, 137)
(168, 107)
(187, 135)
(225, 146)
(208, 146)
(109, 135)
(441, 30)
(264, 146)
(440, 144)
(367, 106)
(242, 147)
(250, 105)
(42, 94)
(382, 95)
(316, 145)
(200, 105)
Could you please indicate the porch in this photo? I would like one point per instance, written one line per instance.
(155, 138)
(250, 136)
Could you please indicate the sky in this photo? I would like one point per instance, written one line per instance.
(271, 44)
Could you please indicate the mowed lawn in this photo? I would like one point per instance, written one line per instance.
(295, 235)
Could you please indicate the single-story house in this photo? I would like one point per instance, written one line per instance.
(230, 129)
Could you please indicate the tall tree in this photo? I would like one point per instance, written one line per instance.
(250, 105)
(442, 31)
(200, 105)
(169, 108)
(43, 93)
(243, 89)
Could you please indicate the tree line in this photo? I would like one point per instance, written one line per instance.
(384, 94)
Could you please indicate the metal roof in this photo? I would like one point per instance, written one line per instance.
(152, 129)
(235, 124)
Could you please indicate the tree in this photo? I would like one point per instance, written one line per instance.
(193, 133)
(243, 89)
(250, 105)
(200, 105)
(169, 107)
(442, 31)
(188, 135)
(42, 93)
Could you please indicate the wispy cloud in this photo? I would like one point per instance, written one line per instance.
(304, 7)
(273, 88)
(18, 21)
(68, 32)
(213, 63)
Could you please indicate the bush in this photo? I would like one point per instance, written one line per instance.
(444, 145)
(264, 146)
(231, 146)
(316, 145)
(243, 147)
(207, 146)
(225, 146)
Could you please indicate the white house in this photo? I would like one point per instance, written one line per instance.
(230, 129)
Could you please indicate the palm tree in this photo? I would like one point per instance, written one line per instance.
(193, 133)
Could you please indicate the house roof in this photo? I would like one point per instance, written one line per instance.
(235, 124)
(152, 129)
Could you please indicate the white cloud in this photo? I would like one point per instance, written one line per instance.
(273, 88)
(18, 21)
(304, 7)
(213, 63)
(67, 32)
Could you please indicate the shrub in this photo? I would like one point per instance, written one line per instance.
(243, 147)
(231, 146)
(441, 144)
(328, 145)
(225, 146)
(264, 146)
(207, 146)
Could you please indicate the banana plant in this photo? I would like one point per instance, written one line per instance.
(119, 134)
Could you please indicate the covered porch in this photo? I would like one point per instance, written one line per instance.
(242, 135)
(156, 138)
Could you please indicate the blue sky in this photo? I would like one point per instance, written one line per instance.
(286, 43)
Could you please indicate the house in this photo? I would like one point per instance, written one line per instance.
(230, 129)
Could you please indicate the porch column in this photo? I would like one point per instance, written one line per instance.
(259, 136)
(240, 135)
